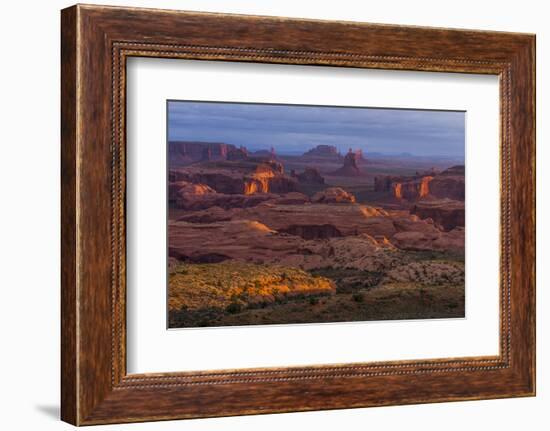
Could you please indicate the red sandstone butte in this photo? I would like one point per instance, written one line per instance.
(349, 168)
(333, 195)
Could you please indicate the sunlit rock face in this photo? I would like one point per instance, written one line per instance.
(258, 182)
(424, 187)
(413, 189)
(245, 177)
(333, 195)
(447, 184)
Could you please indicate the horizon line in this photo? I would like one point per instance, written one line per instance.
(302, 152)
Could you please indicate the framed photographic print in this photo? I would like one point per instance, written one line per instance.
(268, 226)
(265, 215)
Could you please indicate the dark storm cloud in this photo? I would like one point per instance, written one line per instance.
(295, 128)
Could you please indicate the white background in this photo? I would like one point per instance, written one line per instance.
(29, 225)
(151, 348)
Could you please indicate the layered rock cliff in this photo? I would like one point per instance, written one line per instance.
(309, 176)
(447, 213)
(182, 153)
(237, 177)
(333, 195)
(328, 151)
(447, 184)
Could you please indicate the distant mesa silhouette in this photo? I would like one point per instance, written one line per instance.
(240, 153)
(349, 168)
(359, 155)
(329, 151)
(182, 153)
(267, 154)
(309, 176)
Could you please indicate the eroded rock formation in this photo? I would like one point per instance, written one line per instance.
(312, 231)
(309, 176)
(240, 153)
(192, 202)
(413, 189)
(237, 177)
(285, 238)
(430, 241)
(254, 242)
(349, 168)
(328, 151)
(333, 195)
(182, 153)
(447, 184)
(445, 212)
(318, 221)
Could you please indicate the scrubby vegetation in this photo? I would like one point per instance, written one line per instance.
(233, 286)
(423, 285)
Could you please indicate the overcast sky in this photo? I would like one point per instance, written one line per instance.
(295, 129)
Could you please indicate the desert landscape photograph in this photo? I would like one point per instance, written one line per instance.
(290, 214)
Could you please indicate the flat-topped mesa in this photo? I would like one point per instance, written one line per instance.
(329, 151)
(349, 168)
(182, 153)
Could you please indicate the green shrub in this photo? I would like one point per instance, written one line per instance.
(234, 308)
(358, 297)
(313, 300)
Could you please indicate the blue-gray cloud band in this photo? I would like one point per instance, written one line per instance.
(296, 128)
